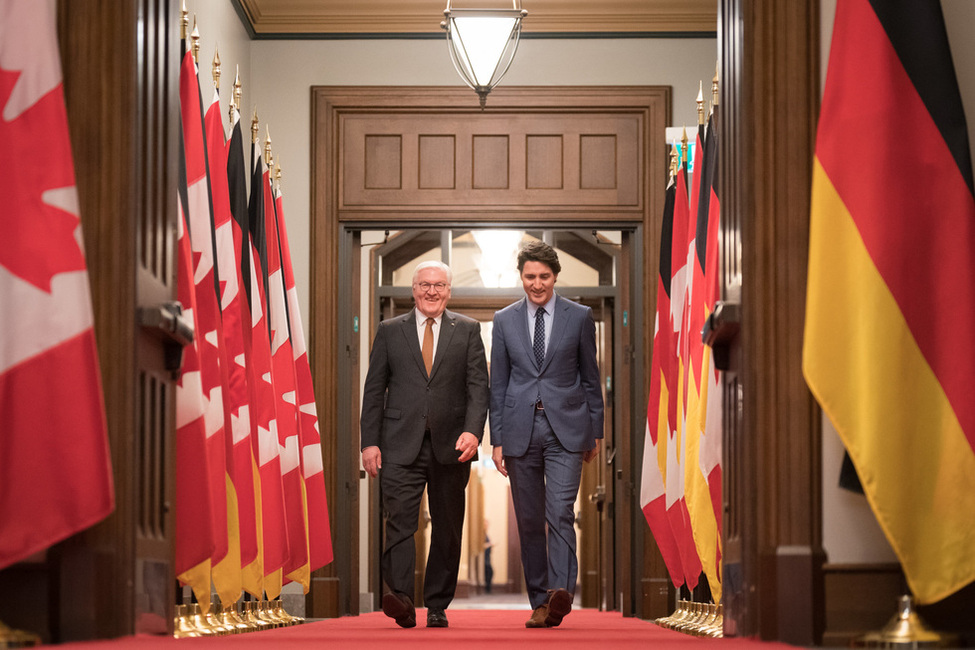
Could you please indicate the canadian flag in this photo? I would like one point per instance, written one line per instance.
(55, 473)
(312, 466)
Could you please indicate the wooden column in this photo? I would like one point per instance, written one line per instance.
(769, 77)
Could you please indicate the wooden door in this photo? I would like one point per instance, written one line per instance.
(121, 62)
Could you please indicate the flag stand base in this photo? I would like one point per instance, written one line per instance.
(906, 630)
(10, 638)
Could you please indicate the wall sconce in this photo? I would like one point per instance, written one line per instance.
(482, 43)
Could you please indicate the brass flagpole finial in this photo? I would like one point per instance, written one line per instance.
(700, 103)
(195, 37)
(277, 176)
(235, 97)
(714, 88)
(267, 148)
(237, 87)
(683, 148)
(255, 138)
(184, 21)
(674, 161)
(215, 68)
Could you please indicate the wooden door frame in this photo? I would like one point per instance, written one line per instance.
(332, 341)
(598, 575)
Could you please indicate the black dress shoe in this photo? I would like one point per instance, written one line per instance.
(399, 608)
(436, 618)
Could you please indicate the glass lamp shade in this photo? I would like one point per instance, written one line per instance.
(482, 44)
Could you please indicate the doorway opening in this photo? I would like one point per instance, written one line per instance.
(485, 279)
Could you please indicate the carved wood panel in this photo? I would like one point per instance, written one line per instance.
(549, 160)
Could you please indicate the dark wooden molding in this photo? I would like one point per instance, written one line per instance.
(421, 18)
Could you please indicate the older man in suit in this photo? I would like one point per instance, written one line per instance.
(423, 410)
(546, 420)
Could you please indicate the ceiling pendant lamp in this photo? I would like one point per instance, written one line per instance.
(482, 43)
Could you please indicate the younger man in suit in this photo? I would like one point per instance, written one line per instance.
(546, 419)
(423, 410)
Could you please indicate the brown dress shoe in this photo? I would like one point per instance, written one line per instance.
(538, 617)
(399, 608)
(559, 604)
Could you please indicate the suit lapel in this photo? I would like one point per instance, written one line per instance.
(521, 316)
(559, 321)
(448, 324)
(412, 341)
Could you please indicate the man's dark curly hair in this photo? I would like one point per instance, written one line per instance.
(538, 251)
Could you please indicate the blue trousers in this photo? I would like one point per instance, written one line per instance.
(544, 485)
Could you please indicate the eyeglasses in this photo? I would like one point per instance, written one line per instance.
(426, 286)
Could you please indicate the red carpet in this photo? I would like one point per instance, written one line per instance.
(469, 630)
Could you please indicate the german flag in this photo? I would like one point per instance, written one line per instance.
(888, 348)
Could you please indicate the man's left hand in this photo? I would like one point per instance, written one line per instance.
(592, 453)
(467, 445)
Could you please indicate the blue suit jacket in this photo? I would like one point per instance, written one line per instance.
(567, 382)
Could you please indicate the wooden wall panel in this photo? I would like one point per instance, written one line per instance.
(543, 162)
(598, 162)
(553, 160)
(383, 164)
(490, 164)
(437, 162)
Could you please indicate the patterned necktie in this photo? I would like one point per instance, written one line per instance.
(427, 348)
(539, 345)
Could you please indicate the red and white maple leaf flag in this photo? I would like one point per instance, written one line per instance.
(239, 482)
(208, 335)
(312, 467)
(286, 403)
(264, 426)
(55, 472)
(194, 529)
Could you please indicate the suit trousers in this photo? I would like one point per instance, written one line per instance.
(402, 491)
(544, 485)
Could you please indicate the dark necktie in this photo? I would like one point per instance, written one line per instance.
(427, 347)
(539, 345)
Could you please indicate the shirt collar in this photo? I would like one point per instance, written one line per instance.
(549, 306)
(421, 318)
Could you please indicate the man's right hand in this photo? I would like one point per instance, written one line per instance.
(498, 457)
(372, 460)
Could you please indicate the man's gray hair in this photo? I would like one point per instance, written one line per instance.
(435, 264)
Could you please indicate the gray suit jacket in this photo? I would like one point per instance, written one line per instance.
(399, 401)
(567, 382)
